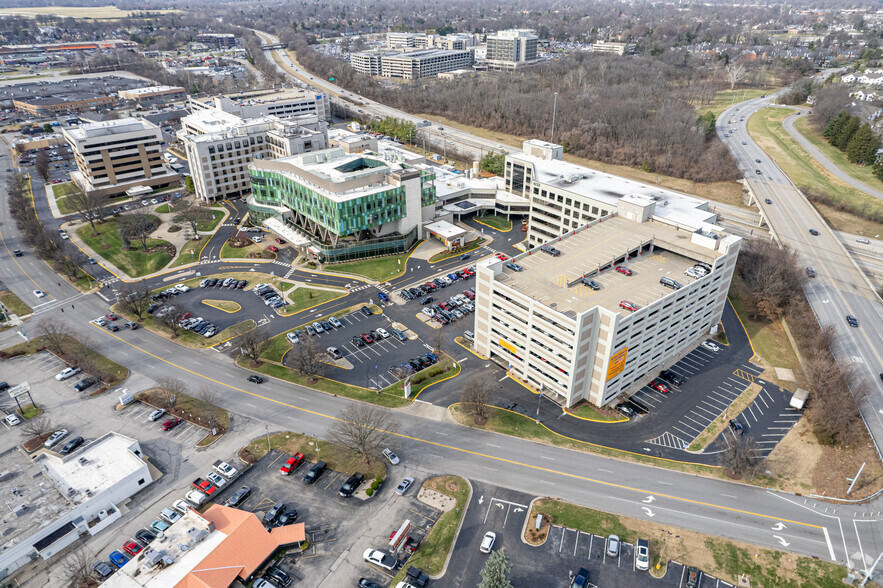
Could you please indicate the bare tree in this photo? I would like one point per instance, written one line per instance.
(477, 394)
(134, 298)
(192, 212)
(138, 225)
(77, 566)
(772, 275)
(438, 338)
(364, 429)
(169, 390)
(55, 333)
(36, 426)
(41, 164)
(210, 397)
(306, 357)
(89, 204)
(735, 74)
(252, 342)
(169, 320)
(741, 456)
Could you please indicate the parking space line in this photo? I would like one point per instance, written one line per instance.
(751, 410)
(712, 413)
(701, 424)
(690, 435)
(715, 404)
(336, 476)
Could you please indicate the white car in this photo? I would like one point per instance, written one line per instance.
(64, 235)
(171, 515)
(335, 323)
(427, 311)
(487, 543)
(226, 469)
(217, 479)
(144, 203)
(55, 438)
(12, 420)
(157, 414)
(154, 201)
(195, 497)
(613, 545)
(182, 506)
(39, 293)
(292, 337)
(392, 457)
(710, 346)
(181, 288)
(379, 558)
(383, 333)
(67, 373)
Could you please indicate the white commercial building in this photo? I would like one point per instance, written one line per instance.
(552, 327)
(615, 48)
(283, 103)
(220, 146)
(410, 65)
(52, 501)
(511, 49)
(114, 155)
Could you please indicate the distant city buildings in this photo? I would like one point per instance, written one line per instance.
(217, 39)
(153, 95)
(115, 155)
(615, 48)
(410, 65)
(511, 49)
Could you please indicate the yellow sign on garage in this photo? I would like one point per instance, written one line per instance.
(508, 346)
(617, 363)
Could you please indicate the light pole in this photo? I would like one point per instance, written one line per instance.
(267, 428)
(554, 109)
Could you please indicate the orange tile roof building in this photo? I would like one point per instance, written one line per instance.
(210, 550)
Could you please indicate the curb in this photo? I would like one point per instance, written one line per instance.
(527, 522)
(457, 534)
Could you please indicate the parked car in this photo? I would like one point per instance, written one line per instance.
(670, 377)
(691, 578)
(379, 558)
(239, 497)
(659, 386)
(613, 545)
(84, 383)
(71, 445)
(404, 485)
(315, 472)
(159, 526)
(737, 427)
(195, 497)
(54, 438)
(642, 555)
(117, 558)
(289, 517)
(628, 305)
(132, 548)
(171, 424)
(67, 373)
(710, 346)
(291, 464)
(144, 537)
(626, 410)
(157, 414)
(581, 579)
(624, 270)
(222, 467)
(278, 576)
(102, 569)
(352, 483)
(391, 457)
(275, 510)
(487, 542)
(171, 515)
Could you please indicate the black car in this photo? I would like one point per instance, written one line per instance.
(427, 300)
(151, 308)
(289, 517)
(737, 426)
(406, 295)
(670, 377)
(239, 497)
(581, 579)
(366, 311)
(4, 386)
(814, 232)
(366, 583)
(16, 252)
(83, 384)
(626, 410)
(102, 569)
(71, 445)
(315, 472)
(351, 485)
(256, 379)
(144, 537)
(853, 322)
(113, 328)
(767, 200)
(276, 575)
(274, 512)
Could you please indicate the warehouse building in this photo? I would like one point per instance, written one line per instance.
(410, 65)
(154, 95)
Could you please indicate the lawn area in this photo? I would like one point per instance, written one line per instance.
(338, 458)
(225, 305)
(719, 557)
(586, 411)
(435, 547)
(162, 209)
(136, 262)
(511, 423)
(14, 304)
(29, 411)
(62, 191)
(189, 253)
(210, 223)
(495, 221)
(113, 373)
(471, 246)
(766, 129)
(726, 98)
(865, 174)
(303, 298)
(378, 269)
(228, 252)
(726, 192)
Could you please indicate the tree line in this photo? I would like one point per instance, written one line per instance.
(848, 134)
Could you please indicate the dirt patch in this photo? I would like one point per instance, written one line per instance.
(35, 443)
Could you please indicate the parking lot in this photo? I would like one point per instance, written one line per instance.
(371, 362)
(767, 419)
(137, 415)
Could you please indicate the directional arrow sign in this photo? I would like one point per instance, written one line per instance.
(778, 527)
(648, 500)
(648, 512)
(481, 499)
(500, 504)
(518, 510)
(782, 541)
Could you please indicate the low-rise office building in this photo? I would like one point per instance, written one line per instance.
(573, 327)
(154, 95)
(410, 65)
(50, 106)
(284, 103)
(349, 205)
(220, 146)
(614, 48)
(52, 501)
(217, 39)
(115, 155)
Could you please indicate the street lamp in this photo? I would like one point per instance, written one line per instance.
(267, 428)
(554, 109)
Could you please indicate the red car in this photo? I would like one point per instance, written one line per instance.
(170, 424)
(273, 248)
(468, 294)
(628, 305)
(204, 486)
(367, 338)
(280, 241)
(132, 548)
(502, 257)
(293, 462)
(111, 316)
(623, 270)
(659, 386)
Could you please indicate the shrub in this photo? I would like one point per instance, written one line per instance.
(375, 485)
(369, 492)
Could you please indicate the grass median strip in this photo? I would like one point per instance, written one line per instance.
(470, 247)
(303, 297)
(230, 252)
(813, 134)
(225, 305)
(495, 221)
(201, 411)
(378, 269)
(135, 260)
(719, 424)
(14, 304)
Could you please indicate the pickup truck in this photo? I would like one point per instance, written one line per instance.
(315, 472)
(204, 486)
(222, 467)
(291, 464)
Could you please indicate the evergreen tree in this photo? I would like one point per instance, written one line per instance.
(862, 148)
(878, 170)
(836, 124)
(841, 139)
(493, 163)
(707, 122)
(495, 573)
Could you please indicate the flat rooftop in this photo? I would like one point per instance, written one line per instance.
(546, 278)
(110, 127)
(427, 53)
(149, 90)
(211, 120)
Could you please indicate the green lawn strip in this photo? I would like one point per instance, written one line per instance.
(228, 306)
(501, 223)
(188, 253)
(116, 373)
(862, 173)
(719, 424)
(279, 344)
(210, 224)
(187, 407)
(109, 245)
(766, 129)
(14, 304)
(285, 286)
(339, 458)
(29, 411)
(303, 297)
(585, 519)
(85, 282)
(229, 252)
(471, 246)
(61, 192)
(162, 209)
(517, 425)
(378, 269)
(726, 98)
(435, 546)
(445, 369)
(587, 411)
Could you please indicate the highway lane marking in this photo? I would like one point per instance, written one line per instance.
(467, 451)
(12, 257)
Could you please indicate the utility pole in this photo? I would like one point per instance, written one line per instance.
(554, 109)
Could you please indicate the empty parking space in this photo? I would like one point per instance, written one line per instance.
(137, 416)
(766, 420)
